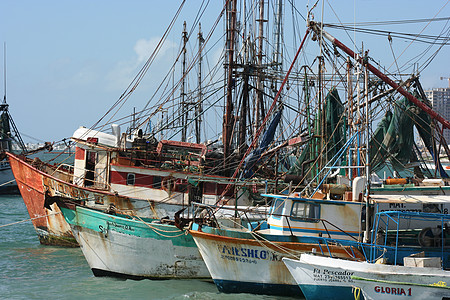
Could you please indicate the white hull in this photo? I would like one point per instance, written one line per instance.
(240, 266)
(240, 263)
(317, 275)
(114, 246)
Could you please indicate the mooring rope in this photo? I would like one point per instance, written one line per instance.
(158, 230)
(8, 182)
(30, 219)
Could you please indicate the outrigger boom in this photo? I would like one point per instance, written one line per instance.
(317, 29)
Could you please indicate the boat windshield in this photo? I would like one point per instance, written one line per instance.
(277, 208)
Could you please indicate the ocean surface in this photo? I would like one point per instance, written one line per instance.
(29, 270)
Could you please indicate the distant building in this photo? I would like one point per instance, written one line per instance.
(440, 100)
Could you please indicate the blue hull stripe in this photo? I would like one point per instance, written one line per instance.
(228, 286)
(320, 292)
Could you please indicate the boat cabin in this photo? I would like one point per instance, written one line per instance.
(169, 171)
(294, 215)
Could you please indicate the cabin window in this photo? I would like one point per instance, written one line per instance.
(156, 182)
(130, 179)
(181, 186)
(277, 209)
(305, 211)
(91, 159)
(210, 188)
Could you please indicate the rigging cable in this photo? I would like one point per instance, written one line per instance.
(189, 68)
(138, 78)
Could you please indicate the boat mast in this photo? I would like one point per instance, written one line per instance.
(259, 104)
(242, 136)
(322, 121)
(7, 133)
(358, 117)
(350, 123)
(4, 71)
(277, 55)
(184, 110)
(228, 123)
(199, 109)
(367, 164)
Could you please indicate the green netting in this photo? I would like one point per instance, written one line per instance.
(335, 125)
(392, 141)
(334, 135)
(394, 138)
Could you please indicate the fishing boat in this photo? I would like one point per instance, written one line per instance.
(9, 137)
(133, 247)
(249, 260)
(414, 254)
(113, 177)
(299, 225)
(151, 169)
(325, 277)
(334, 177)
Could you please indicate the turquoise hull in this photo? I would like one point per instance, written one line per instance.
(134, 248)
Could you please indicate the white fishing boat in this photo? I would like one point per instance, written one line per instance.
(249, 260)
(322, 277)
(133, 247)
(414, 256)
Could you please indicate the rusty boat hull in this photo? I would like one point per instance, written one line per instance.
(136, 248)
(40, 190)
(242, 262)
(47, 219)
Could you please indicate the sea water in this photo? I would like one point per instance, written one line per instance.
(29, 270)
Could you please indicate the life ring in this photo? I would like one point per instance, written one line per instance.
(168, 184)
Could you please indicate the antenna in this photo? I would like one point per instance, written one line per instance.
(448, 78)
(4, 70)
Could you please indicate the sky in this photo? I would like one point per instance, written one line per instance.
(67, 62)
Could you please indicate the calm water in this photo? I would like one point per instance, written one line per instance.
(31, 271)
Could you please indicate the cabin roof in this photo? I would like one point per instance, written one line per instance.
(302, 199)
(410, 198)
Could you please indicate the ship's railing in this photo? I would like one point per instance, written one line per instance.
(433, 237)
(213, 208)
(4, 164)
(246, 215)
(315, 220)
(69, 169)
(173, 160)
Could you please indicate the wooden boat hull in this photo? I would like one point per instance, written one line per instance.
(48, 222)
(239, 263)
(325, 277)
(39, 191)
(122, 247)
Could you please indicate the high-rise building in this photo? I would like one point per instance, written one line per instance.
(440, 100)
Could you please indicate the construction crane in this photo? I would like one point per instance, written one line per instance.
(448, 78)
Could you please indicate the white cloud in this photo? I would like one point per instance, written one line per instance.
(144, 48)
(123, 72)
